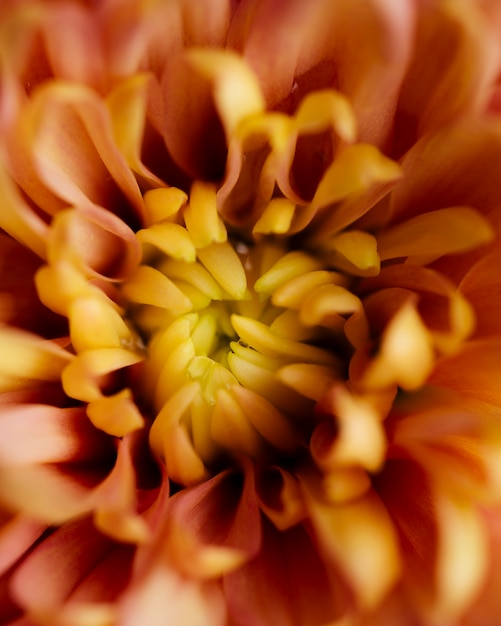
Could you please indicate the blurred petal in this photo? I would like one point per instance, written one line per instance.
(286, 584)
(163, 596)
(359, 537)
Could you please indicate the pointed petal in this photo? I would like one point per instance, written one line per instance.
(360, 539)
(286, 584)
(163, 596)
(215, 527)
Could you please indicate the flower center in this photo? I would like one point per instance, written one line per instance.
(242, 338)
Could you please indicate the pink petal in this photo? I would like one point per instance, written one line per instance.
(95, 241)
(456, 166)
(406, 493)
(474, 371)
(19, 302)
(66, 140)
(312, 46)
(75, 30)
(215, 526)
(481, 288)
(163, 596)
(45, 434)
(275, 46)
(17, 535)
(116, 499)
(285, 585)
(207, 23)
(488, 603)
(53, 570)
(464, 43)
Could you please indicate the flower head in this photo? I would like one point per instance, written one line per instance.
(249, 305)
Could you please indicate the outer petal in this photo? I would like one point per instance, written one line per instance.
(163, 596)
(286, 584)
(456, 166)
(20, 304)
(465, 48)
(312, 46)
(358, 538)
(65, 139)
(214, 527)
(481, 288)
(74, 560)
(201, 108)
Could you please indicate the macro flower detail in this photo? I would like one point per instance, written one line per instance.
(249, 313)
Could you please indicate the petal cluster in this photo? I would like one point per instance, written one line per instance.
(249, 312)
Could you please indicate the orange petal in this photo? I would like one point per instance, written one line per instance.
(162, 595)
(286, 583)
(201, 109)
(359, 538)
(25, 357)
(97, 242)
(214, 527)
(115, 500)
(78, 159)
(433, 234)
(16, 536)
(406, 355)
(18, 219)
(480, 287)
(58, 435)
(462, 557)
(452, 167)
(359, 437)
(464, 46)
(280, 497)
(69, 558)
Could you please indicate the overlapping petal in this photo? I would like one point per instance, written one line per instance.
(249, 299)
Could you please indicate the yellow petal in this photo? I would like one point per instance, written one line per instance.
(127, 106)
(172, 239)
(27, 356)
(323, 108)
(433, 234)
(147, 285)
(194, 274)
(292, 293)
(291, 265)
(59, 284)
(406, 354)
(231, 427)
(326, 303)
(261, 338)
(17, 218)
(94, 323)
(116, 415)
(170, 415)
(462, 558)
(359, 439)
(276, 217)
(81, 378)
(355, 169)
(308, 379)
(359, 537)
(225, 266)
(355, 252)
(266, 419)
(237, 93)
(163, 203)
(201, 216)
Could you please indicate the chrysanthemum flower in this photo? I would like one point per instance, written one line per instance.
(250, 339)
